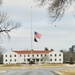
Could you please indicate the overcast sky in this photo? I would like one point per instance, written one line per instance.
(60, 37)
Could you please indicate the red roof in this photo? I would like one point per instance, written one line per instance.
(32, 51)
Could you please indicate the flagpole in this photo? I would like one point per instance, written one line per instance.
(31, 30)
(31, 35)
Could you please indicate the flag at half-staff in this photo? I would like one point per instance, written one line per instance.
(37, 36)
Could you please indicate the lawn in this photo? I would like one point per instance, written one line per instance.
(31, 66)
(66, 72)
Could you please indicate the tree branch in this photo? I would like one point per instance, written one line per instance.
(56, 8)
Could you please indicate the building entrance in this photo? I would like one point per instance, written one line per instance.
(32, 61)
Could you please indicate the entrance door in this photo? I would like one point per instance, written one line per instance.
(32, 61)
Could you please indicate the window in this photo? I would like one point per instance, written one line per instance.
(59, 59)
(10, 60)
(37, 59)
(37, 55)
(28, 60)
(32, 55)
(5, 55)
(24, 59)
(50, 54)
(15, 60)
(55, 59)
(24, 55)
(10, 55)
(55, 55)
(45, 55)
(20, 55)
(28, 55)
(41, 59)
(50, 59)
(6, 60)
(41, 55)
(59, 54)
(14, 55)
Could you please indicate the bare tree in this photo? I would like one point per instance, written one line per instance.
(1, 56)
(1, 50)
(0, 2)
(6, 25)
(56, 8)
(45, 59)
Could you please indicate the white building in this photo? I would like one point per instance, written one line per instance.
(25, 56)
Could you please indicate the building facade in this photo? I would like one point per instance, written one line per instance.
(37, 56)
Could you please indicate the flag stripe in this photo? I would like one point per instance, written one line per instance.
(37, 35)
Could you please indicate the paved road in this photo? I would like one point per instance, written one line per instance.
(28, 72)
(23, 71)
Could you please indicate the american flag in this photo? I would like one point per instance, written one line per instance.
(37, 35)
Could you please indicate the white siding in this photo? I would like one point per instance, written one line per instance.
(11, 57)
(57, 57)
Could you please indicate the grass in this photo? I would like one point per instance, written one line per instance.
(44, 66)
(31, 66)
(66, 72)
(53, 65)
(11, 65)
